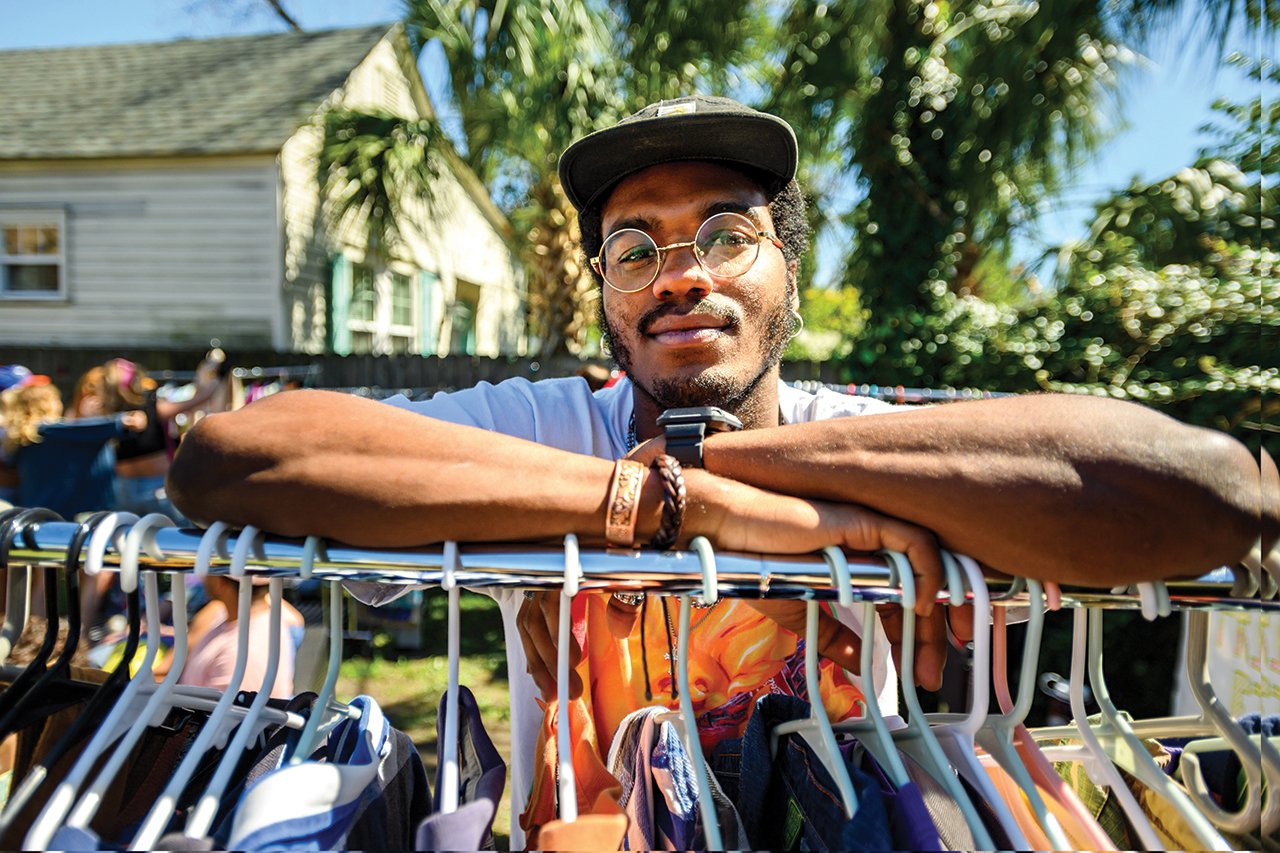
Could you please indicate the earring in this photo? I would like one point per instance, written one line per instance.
(797, 324)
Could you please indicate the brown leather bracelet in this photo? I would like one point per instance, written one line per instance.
(674, 500)
(624, 503)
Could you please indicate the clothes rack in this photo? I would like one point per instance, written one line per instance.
(542, 567)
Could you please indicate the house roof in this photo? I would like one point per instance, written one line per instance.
(236, 95)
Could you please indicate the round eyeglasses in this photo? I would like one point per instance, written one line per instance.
(726, 246)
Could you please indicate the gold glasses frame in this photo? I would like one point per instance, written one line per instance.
(597, 263)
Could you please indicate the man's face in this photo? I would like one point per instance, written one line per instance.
(690, 339)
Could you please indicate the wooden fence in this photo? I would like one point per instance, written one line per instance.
(419, 373)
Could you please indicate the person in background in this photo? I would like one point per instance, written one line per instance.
(213, 635)
(11, 376)
(142, 459)
(68, 467)
(65, 466)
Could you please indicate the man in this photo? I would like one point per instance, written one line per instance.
(705, 231)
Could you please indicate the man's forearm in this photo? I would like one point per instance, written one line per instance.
(370, 474)
(1070, 489)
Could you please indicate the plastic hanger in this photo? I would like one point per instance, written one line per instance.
(958, 732)
(1230, 736)
(999, 733)
(872, 730)
(19, 716)
(918, 738)
(449, 749)
(103, 699)
(206, 808)
(816, 729)
(17, 588)
(309, 738)
(685, 720)
(568, 790)
(25, 525)
(42, 830)
(1125, 747)
(159, 703)
(220, 719)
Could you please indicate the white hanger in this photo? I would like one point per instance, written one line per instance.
(1126, 748)
(1230, 736)
(207, 807)
(918, 737)
(50, 817)
(153, 713)
(449, 749)
(872, 731)
(685, 721)
(214, 729)
(958, 732)
(309, 739)
(997, 734)
(568, 792)
(816, 729)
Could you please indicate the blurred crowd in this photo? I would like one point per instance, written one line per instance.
(109, 448)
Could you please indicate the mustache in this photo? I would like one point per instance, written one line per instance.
(705, 307)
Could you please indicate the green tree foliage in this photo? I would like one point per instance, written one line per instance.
(373, 167)
(530, 76)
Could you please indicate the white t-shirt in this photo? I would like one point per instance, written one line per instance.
(565, 414)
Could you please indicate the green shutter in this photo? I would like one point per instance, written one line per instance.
(426, 312)
(339, 309)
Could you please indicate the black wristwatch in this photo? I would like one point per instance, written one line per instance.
(686, 429)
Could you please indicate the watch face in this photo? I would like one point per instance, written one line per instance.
(715, 418)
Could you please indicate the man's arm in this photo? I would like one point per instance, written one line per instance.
(1072, 489)
(365, 473)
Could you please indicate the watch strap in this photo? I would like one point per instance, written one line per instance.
(684, 442)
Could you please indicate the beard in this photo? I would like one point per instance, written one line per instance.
(710, 387)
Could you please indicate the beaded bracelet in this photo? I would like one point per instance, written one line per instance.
(673, 502)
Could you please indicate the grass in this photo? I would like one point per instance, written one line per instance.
(409, 688)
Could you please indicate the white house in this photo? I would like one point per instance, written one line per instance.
(164, 194)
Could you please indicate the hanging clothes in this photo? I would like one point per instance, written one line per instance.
(481, 778)
(660, 791)
(789, 801)
(369, 792)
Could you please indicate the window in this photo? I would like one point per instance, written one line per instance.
(363, 311)
(32, 255)
(381, 311)
(402, 333)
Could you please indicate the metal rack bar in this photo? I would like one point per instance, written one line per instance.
(531, 566)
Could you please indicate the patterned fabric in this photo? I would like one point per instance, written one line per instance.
(736, 656)
(660, 791)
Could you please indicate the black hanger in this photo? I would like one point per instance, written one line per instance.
(25, 525)
(85, 724)
(58, 675)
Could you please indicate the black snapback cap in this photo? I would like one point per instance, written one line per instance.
(697, 127)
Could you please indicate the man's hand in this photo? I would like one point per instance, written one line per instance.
(764, 522)
(539, 624)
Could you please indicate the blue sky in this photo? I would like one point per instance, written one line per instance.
(1163, 102)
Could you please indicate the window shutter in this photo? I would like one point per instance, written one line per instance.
(427, 322)
(339, 308)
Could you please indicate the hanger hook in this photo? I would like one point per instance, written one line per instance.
(839, 574)
(312, 548)
(451, 562)
(137, 540)
(104, 535)
(707, 559)
(250, 539)
(215, 538)
(572, 565)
